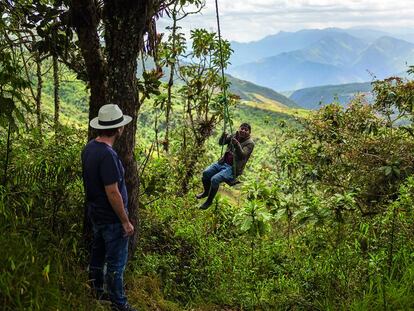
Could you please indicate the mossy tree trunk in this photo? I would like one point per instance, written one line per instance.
(170, 82)
(85, 16)
(85, 19)
(38, 97)
(56, 86)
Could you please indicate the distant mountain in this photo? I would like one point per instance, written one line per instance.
(252, 92)
(406, 37)
(366, 34)
(312, 98)
(402, 33)
(276, 44)
(385, 56)
(290, 41)
(294, 70)
(334, 59)
(338, 50)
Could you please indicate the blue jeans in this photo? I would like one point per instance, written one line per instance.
(111, 247)
(217, 173)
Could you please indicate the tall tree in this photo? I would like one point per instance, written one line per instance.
(85, 18)
(112, 74)
(56, 86)
(172, 50)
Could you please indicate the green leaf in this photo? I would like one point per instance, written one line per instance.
(279, 214)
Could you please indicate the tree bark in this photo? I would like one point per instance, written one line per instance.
(170, 81)
(38, 97)
(85, 18)
(56, 87)
(193, 159)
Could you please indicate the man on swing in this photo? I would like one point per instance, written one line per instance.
(230, 166)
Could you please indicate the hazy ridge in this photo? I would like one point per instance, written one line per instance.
(308, 58)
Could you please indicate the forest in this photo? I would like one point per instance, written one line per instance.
(323, 217)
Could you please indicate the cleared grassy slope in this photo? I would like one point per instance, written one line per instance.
(249, 91)
(268, 104)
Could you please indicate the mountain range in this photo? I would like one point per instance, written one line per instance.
(314, 97)
(308, 58)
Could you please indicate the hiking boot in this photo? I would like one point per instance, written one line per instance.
(206, 187)
(205, 205)
(125, 307)
(202, 195)
(103, 297)
(211, 195)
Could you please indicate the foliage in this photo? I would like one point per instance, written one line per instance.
(323, 219)
(203, 83)
(40, 217)
(12, 86)
(201, 92)
(354, 151)
(395, 100)
(301, 234)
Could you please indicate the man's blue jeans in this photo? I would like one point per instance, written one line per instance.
(217, 173)
(111, 247)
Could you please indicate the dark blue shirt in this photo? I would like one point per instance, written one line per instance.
(101, 167)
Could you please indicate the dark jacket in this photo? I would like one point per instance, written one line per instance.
(242, 152)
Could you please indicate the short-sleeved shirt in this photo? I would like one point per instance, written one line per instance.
(101, 167)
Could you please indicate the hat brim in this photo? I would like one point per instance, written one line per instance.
(95, 123)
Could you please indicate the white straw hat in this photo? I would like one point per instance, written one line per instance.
(109, 117)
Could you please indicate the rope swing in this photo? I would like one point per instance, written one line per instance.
(224, 99)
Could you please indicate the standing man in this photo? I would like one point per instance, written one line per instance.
(230, 166)
(107, 203)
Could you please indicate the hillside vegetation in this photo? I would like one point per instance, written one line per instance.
(303, 230)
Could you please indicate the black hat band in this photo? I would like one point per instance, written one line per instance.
(112, 122)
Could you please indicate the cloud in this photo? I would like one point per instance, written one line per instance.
(251, 20)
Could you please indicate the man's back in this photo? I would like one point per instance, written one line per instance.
(101, 166)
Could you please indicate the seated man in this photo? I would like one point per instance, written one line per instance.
(239, 149)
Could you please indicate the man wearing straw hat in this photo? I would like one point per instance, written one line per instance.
(107, 206)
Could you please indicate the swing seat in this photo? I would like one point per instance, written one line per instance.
(233, 182)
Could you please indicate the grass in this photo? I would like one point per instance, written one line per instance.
(267, 104)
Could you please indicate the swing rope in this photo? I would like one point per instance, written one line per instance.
(224, 100)
(226, 114)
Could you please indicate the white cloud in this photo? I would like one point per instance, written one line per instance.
(250, 20)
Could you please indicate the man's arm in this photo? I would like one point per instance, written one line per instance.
(242, 152)
(115, 199)
(224, 139)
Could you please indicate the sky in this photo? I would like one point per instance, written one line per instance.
(251, 20)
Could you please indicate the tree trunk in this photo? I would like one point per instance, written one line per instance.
(166, 143)
(125, 23)
(56, 87)
(39, 91)
(193, 158)
(114, 80)
(85, 19)
(170, 82)
(6, 163)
